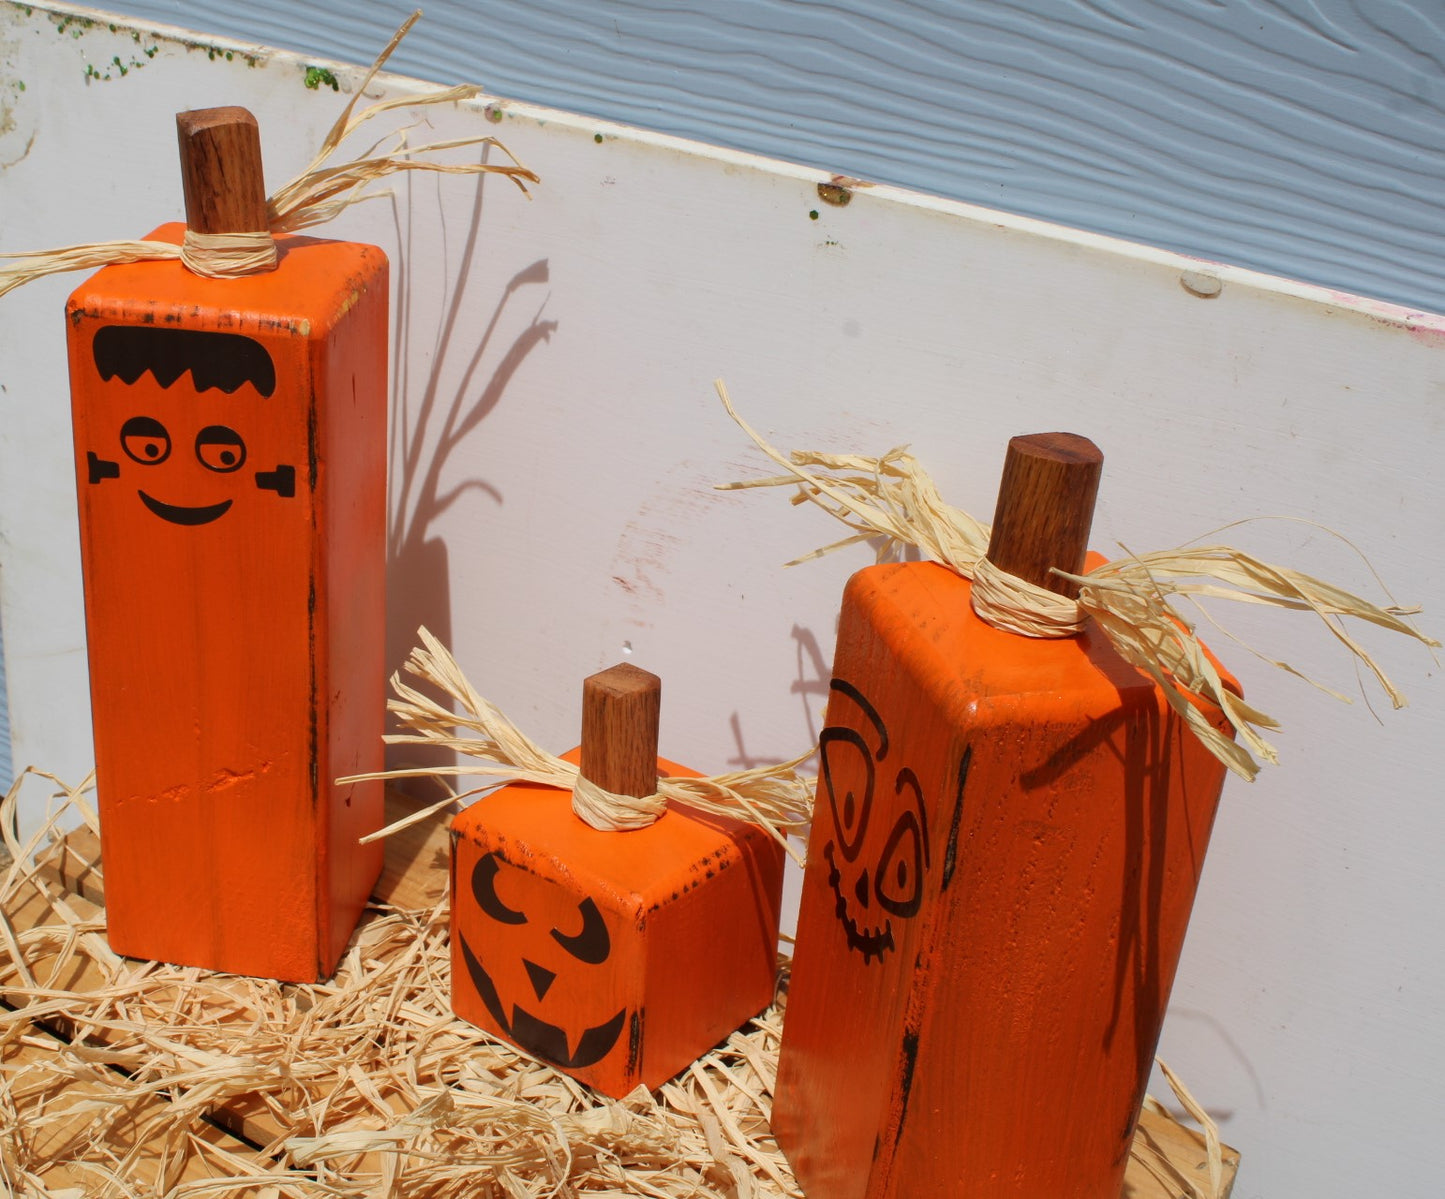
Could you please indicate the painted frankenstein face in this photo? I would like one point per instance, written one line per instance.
(183, 463)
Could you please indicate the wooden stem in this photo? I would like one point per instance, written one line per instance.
(221, 171)
(1045, 508)
(620, 711)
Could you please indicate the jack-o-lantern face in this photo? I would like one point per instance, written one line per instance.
(876, 862)
(514, 940)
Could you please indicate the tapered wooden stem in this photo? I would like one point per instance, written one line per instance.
(221, 170)
(1045, 508)
(620, 711)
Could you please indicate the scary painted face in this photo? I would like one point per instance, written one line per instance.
(179, 458)
(527, 956)
(878, 852)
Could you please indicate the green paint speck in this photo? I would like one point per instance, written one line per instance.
(20, 85)
(317, 76)
(597, 137)
(494, 115)
(813, 214)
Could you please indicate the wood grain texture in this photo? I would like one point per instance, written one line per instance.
(1045, 508)
(221, 170)
(621, 707)
(1300, 137)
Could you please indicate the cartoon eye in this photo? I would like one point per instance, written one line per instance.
(898, 882)
(592, 944)
(220, 449)
(484, 887)
(145, 440)
(848, 765)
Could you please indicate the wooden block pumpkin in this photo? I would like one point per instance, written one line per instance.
(1006, 843)
(619, 957)
(230, 453)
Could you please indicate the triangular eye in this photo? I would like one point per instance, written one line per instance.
(898, 881)
(592, 944)
(484, 887)
(848, 780)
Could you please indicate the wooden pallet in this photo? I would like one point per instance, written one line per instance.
(240, 1135)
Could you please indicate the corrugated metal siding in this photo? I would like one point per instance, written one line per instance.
(1299, 137)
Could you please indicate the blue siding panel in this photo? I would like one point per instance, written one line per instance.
(1304, 138)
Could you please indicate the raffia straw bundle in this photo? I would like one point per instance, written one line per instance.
(365, 1086)
(361, 1087)
(775, 798)
(893, 498)
(318, 194)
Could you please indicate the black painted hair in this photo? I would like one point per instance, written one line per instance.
(223, 360)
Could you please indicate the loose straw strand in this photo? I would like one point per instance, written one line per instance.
(776, 798)
(316, 196)
(894, 498)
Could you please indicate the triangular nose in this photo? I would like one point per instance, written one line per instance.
(541, 977)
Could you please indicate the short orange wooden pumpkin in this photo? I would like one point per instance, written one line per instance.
(619, 957)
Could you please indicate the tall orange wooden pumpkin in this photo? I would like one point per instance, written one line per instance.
(230, 455)
(618, 957)
(1006, 843)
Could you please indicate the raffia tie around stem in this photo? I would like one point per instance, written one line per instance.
(893, 500)
(322, 191)
(775, 798)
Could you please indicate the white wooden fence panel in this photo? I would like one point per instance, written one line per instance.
(565, 518)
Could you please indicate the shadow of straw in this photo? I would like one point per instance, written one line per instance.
(426, 435)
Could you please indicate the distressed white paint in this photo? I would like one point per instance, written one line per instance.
(572, 522)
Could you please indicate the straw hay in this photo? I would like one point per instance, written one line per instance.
(361, 1086)
(774, 797)
(893, 501)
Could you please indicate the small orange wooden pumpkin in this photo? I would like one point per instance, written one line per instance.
(230, 451)
(619, 957)
(1004, 853)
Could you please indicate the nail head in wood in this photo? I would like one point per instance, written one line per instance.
(621, 707)
(1046, 507)
(221, 170)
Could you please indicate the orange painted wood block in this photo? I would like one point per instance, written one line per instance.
(619, 957)
(1004, 853)
(230, 451)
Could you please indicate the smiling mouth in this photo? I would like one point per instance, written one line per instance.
(869, 942)
(537, 1036)
(184, 516)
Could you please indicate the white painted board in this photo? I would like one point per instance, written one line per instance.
(1301, 137)
(556, 440)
